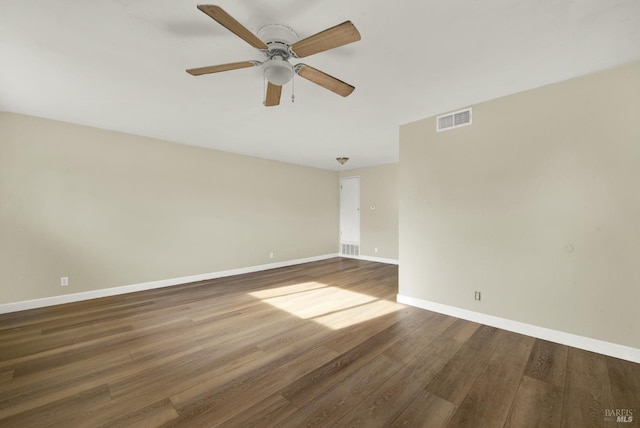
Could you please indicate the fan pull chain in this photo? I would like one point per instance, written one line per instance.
(264, 90)
(293, 95)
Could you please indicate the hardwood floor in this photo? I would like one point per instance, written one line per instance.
(320, 344)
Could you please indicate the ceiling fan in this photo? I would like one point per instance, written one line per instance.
(279, 43)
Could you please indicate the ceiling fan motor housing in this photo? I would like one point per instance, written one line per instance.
(278, 38)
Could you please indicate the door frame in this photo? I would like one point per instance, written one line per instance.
(354, 246)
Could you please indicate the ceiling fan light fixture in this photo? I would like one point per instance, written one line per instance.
(277, 71)
(277, 44)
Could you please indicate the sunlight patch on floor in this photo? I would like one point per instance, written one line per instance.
(330, 306)
(286, 290)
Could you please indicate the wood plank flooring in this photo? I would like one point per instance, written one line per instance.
(319, 344)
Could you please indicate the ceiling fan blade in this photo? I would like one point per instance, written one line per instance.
(333, 37)
(324, 80)
(222, 67)
(273, 95)
(227, 21)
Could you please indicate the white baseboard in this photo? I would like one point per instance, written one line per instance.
(372, 259)
(86, 295)
(582, 342)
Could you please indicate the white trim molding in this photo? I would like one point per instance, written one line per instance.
(569, 339)
(372, 259)
(105, 292)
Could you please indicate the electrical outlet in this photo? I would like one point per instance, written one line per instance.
(375, 250)
(270, 255)
(478, 295)
(64, 281)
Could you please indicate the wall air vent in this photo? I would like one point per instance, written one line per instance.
(350, 249)
(453, 120)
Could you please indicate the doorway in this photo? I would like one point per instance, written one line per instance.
(350, 216)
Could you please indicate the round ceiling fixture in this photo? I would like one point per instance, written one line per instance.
(342, 160)
(277, 70)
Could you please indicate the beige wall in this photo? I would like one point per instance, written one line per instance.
(536, 205)
(378, 227)
(108, 209)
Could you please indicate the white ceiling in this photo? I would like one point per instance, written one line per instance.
(119, 65)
